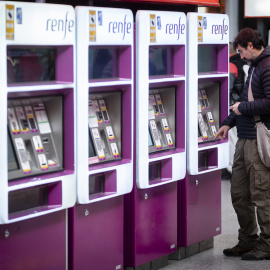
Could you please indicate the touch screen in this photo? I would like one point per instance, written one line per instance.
(103, 63)
(31, 64)
(207, 58)
(160, 61)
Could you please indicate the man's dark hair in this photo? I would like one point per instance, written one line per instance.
(249, 35)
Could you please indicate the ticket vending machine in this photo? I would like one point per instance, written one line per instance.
(38, 180)
(105, 137)
(199, 215)
(150, 210)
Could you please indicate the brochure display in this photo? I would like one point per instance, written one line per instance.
(199, 216)
(104, 136)
(160, 137)
(37, 109)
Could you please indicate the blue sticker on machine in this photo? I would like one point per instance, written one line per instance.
(100, 18)
(204, 23)
(19, 15)
(159, 22)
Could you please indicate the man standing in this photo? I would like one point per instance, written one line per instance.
(250, 185)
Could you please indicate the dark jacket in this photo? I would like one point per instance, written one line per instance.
(261, 105)
(237, 83)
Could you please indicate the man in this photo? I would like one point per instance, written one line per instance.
(250, 185)
(237, 78)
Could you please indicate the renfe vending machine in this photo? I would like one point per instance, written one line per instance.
(150, 210)
(38, 180)
(105, 137)
(199, 215)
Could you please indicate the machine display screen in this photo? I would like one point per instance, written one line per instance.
(207, 58)
(30, 64)
(160, 61)
(12, 160)
(103, 63)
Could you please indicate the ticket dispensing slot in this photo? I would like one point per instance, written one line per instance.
(104, 119)
(208, 111)
(161, 117)
(35, 199)
(160, 171)
(35, 136)
(102, 184)
(207, 159)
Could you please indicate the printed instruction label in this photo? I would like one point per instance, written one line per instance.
(114, 150)
(22, 155)
(202, 126)
(155, 134)
(165, 125)
(42, 119)
(104, 111)
(13, 122)
(152, 109)
(31, 118)
(38, 144)
(110, 133)
(10, 14)
(92, 113)
(200, 28)
(160, 105)
(43, 162)
(92, 25)
(169, 140)
(205, 99)
(153, 29)
(22, 120)
(98, 143)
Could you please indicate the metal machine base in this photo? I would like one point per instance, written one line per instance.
(153, 265)
(185, 252)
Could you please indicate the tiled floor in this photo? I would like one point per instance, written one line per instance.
(213, 259)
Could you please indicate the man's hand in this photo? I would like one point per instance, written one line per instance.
(234, 108)
(222, 132)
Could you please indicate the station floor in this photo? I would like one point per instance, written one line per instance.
(213, 259)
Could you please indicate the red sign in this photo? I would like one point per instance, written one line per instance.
(190, 2)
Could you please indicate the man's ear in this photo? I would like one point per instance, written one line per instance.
(250, 45)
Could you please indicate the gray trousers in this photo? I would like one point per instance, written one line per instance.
(250, 187)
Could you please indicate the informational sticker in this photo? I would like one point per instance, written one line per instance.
(43, 162)
(210, 118)
(160, 105)
(153, 28)
(202, 126)
(205, 99)
(165, 125)
(110, 133)
(153, 108)
(42, 119)
(159, 23)
(93, 160)
(19, 15)
(22, 120)
(51, 163)
(92, 25)
(104, 111)
(201, 105)
(155, 134)
(10, 14)
(92, 113)
(37, 143)
(100, 19)
(214, 131)
(169, 140)
(114, 150)
(13, 123)
(200, 28)
(23, 155)
(98, 143)
(31, 119)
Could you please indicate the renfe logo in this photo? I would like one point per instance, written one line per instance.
(175, 28)
(120, 27)
(60, 25)
(220, 29)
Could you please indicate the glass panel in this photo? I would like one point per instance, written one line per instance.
(160, 61)
(150, 139)
(207, 58)
(103, 63)
(12, 160)
(30, 64)
(92, 152)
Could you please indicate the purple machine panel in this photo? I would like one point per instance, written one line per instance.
(38, 243)
(199, 208)
(96, 235)
(151, 224)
